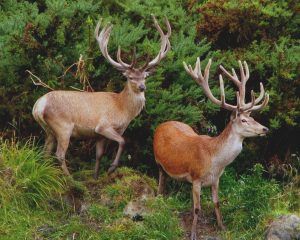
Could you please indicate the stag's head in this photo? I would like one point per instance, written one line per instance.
(136, 76)
(242, 123)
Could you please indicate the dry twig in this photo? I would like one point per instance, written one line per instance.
(81, 73)
(39, 82)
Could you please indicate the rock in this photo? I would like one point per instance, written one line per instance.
(46, 230)
(284, 228)
(84, 207)
(136, 210)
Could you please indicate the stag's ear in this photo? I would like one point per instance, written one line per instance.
(148, 73)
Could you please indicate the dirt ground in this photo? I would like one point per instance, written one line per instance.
(205, 228)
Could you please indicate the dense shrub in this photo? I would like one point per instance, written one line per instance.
(231, 24)
(48, 36)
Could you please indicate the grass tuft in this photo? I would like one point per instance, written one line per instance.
(26, 175)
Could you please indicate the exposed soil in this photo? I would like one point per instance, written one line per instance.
(205, 228)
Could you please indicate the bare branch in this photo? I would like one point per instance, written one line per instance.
(39, 81)
(81, 74)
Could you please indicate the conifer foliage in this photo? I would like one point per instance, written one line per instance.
(47, 36)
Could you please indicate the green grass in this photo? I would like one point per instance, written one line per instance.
(33, 201)
(251, 201)
(27, 177)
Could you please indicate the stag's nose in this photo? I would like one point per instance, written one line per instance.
(142, 87)
(265, 130)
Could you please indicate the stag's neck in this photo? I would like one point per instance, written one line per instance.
(132, 102)
(228, 145)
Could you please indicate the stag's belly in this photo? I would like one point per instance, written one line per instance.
(86, 131)
(82, 132)
(209, 179)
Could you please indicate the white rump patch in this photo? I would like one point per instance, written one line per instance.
(39, 108)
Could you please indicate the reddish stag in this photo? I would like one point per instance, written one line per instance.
(99, 115)
(200, 159)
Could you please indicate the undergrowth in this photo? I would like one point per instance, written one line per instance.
(37, 202)
(27, 177)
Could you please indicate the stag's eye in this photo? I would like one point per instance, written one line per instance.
(244, 120)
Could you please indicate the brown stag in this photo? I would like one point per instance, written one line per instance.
(201, 159)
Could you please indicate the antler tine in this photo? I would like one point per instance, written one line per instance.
(257, 100)
(262, 93)
(161, 33)
(133, 62)
(206, 71)
(262, 105)
(146, 62)
(244, 79)
(96, 33)
(194, 75)
(125, 65)
(241, 84)
(250, 105)
(165, 43)
(238, 101)
(233, 77)
(169, 30)
(245, 74)
(202, 80)
(222, 91)
(223, 99)
(197, 69)
(242, 73)
(103, 39)
(104, 36)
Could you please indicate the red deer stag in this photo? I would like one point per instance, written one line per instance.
(99, 115)
(200, 159)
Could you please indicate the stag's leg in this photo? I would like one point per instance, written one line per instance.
(49, 144)
(162, 181)
(215, 197)
(62, 146)
(197, 207)
(100, 148)
(112, 134)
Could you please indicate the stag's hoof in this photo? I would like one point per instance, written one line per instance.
(193, 236)
(222, 227)
(65, 170)
(96, 175)
(112, 169)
